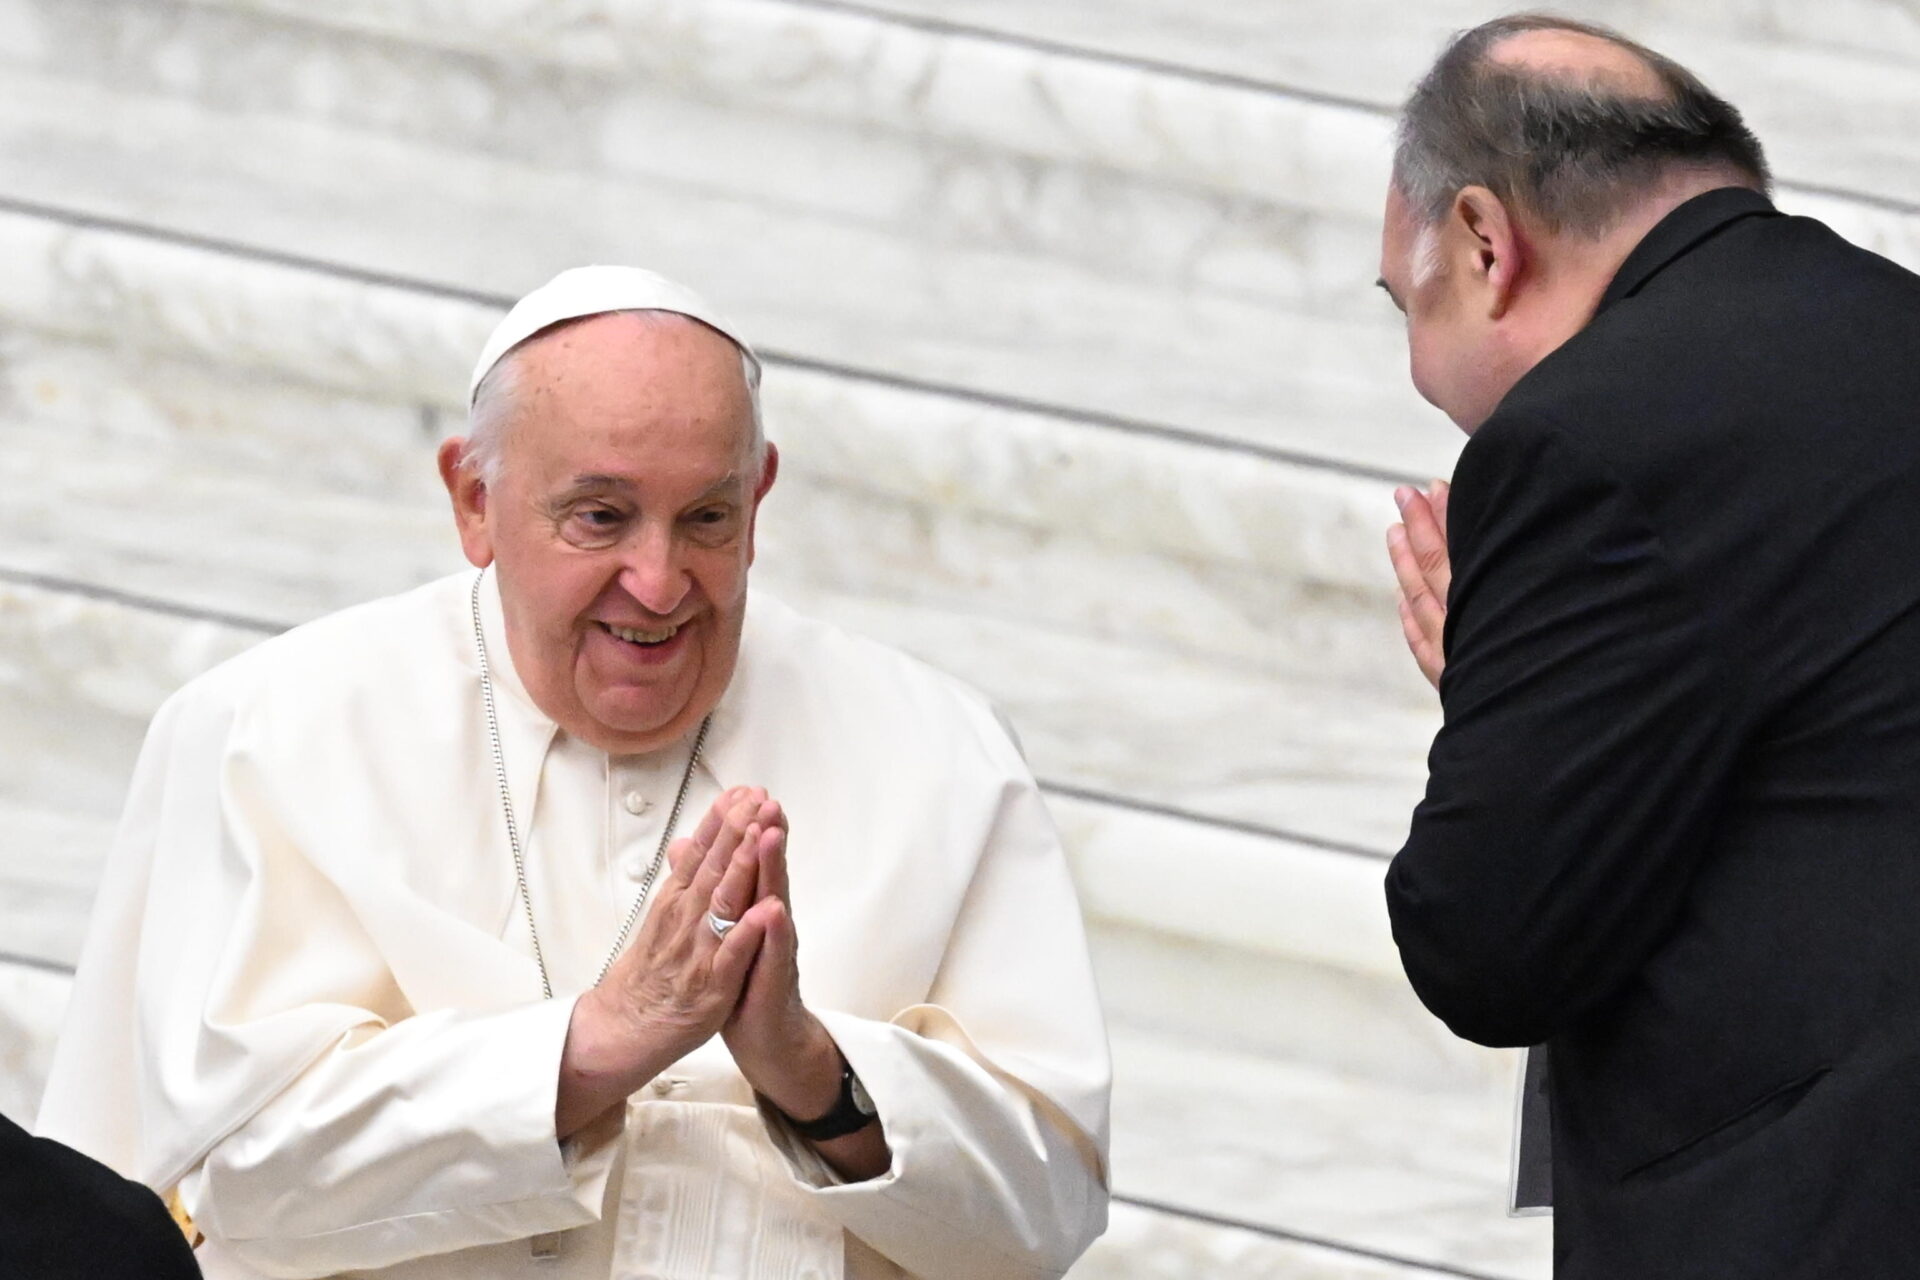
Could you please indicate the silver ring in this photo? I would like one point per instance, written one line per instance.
(720, 925)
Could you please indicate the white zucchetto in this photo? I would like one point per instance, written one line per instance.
(590, 291)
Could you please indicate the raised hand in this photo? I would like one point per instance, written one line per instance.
(1418, 549)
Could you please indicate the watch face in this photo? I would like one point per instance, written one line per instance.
(861, 1101)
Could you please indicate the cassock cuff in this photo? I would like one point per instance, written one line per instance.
(876, 1062)
(586, 1156)
(484, 1166)
(966, 1173)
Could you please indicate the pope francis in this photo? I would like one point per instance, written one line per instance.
(577, 917)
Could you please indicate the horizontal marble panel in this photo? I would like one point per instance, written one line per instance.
(1409, 1171)
(1831, 88)
(50, 869)
(1834, 94)
(847, 64)
(1245, 312)
(1234, 889)
(1259, 1003)
(119, 340)
(79, 678)
(1142, 1244)
(1240, 306)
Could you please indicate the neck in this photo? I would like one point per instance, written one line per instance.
(1578, 268)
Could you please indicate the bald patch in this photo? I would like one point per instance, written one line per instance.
(1578, 57)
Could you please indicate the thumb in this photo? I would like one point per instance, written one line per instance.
(743, 944)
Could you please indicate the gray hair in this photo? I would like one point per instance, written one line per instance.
(1574, 152)
(497, 398)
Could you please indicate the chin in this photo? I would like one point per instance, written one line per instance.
(626, 725)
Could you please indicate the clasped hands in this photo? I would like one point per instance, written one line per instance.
(678, 983)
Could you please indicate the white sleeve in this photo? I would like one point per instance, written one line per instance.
(431, 1135)
(993, 1095)
(236, 1031)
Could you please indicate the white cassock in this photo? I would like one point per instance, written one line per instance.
(307, 995)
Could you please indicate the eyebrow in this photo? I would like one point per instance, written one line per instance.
(595, 482)
(1388, 289)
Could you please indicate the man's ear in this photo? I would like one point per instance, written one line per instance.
(469, 495)
(1486, 236)
(769, 471)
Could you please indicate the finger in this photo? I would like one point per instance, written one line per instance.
(1410, 626)
(1437, 499)
(776, 970)
(1429, 544)
(773, 866)
(749, 800)
(1430, 663)
(782, 947)
(719, 855)
(684, 857)
(703, 837)
(1406, 568)
(742, 946)
(1431, 613)
(1426, 651)
(1431, 619)
(772, 820)
(710, 824)
(734, 894)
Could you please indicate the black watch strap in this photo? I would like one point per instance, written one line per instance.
(853, 1111)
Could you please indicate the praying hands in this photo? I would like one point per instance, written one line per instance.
(717, 953)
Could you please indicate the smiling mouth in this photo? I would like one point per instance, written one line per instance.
(644, 637)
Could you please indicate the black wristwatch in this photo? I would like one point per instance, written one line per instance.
(853, 1112)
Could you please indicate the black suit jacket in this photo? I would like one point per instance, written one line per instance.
(66, 1217)
(1672, 826)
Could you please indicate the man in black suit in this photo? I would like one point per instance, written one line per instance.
(1672, 827)
(66, 1217)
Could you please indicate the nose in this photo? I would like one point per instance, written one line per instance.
(652, 573)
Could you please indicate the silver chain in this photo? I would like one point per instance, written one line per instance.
(513, 828)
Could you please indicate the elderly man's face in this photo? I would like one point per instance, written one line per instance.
(621, 525)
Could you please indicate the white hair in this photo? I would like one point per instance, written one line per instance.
(497, 397)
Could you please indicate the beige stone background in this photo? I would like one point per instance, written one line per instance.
(1083, 391)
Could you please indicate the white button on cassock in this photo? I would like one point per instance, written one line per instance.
(636, 803)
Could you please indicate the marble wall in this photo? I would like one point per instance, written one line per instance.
(1083, 392)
